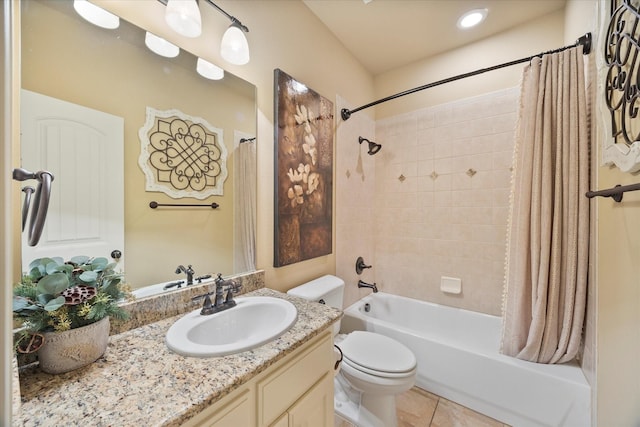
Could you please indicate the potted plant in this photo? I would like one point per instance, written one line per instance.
(63, 309)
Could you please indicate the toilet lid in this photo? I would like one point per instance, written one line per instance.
(377, 352)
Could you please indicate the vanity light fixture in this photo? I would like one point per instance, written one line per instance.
(183, 16)
(472, 18)
(234, 47)
(96, 15)
(208, 70)
(160, 46)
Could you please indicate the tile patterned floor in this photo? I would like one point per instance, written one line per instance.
(419, 408)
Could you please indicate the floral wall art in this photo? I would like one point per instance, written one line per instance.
(304, 172)
(181, 155)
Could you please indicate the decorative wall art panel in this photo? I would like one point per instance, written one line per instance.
(181, 155)
(304, 172)
(618, 83)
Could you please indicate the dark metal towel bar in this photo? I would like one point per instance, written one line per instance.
(154, 205)
(615, 193)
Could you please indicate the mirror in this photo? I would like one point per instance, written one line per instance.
(111, 71)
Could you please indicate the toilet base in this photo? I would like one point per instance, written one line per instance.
(348, 405)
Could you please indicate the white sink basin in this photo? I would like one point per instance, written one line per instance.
(252, 322)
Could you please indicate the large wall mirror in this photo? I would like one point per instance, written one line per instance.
(66, 59)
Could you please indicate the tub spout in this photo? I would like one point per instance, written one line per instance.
(362, 284)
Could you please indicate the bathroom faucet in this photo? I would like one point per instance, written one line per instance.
(362, 284)
(220, 302)
(189, 271)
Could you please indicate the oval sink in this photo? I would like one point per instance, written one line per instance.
(252, 322)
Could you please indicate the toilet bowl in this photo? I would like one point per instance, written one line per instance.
(379, 368)
(374, 368)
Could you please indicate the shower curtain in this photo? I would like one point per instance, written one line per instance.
(548, 234)
(245, 207)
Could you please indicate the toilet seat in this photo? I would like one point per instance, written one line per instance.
(377, 355)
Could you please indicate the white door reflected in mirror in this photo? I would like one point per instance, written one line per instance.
(83, 148)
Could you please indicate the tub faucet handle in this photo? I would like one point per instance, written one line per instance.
(360, 265)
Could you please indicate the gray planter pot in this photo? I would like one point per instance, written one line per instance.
(75, 348)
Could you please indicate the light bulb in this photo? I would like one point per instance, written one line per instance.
(234, 47)
(208, 70)
(96, 15)
(183, 16)
(161, 46)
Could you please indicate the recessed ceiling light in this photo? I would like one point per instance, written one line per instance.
(472, 18)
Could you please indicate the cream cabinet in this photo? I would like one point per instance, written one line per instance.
(295, 391)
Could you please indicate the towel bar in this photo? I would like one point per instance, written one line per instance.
(155, 204)
(615, 193)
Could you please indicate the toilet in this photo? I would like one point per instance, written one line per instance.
(374, 368)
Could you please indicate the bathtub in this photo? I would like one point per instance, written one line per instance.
(458, 358)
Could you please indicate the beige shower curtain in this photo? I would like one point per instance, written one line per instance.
(548, 236)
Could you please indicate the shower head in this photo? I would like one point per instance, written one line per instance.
(373, 147)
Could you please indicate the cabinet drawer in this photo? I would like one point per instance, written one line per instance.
(280, 390)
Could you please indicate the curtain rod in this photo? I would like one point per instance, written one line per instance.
(584, 41)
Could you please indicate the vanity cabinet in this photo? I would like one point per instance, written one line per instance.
(295, 391)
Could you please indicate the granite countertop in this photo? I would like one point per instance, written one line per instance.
(139, 381)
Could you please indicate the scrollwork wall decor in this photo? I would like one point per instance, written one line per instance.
(181, 155)
(620, 75)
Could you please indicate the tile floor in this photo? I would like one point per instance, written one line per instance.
(419, 408)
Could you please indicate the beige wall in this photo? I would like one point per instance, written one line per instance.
(616, 286)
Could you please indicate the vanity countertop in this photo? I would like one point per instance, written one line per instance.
(139, 381)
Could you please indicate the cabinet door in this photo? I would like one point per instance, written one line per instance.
(315, 408)
(278, 391)
(283, 421)
(239, 411)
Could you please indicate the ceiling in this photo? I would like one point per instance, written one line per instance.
(386, 34)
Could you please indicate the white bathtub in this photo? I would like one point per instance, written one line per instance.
(458, 358)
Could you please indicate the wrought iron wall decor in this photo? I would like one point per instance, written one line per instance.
(181, 155)
(304, 172)
(620, 74)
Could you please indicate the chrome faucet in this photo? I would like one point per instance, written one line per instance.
(362, 284)
(189, 271)
(220, 301)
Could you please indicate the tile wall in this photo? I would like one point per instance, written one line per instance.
(355, 200)
(441, 197)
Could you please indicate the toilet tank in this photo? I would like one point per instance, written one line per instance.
(326, 289)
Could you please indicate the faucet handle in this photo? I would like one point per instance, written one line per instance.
(207, 307)
(232, 289)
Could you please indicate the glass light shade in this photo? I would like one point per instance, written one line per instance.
(96, 15)
(234, 47)
(161, 46)
(472, 18)
(208, 70)
(183, 16)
